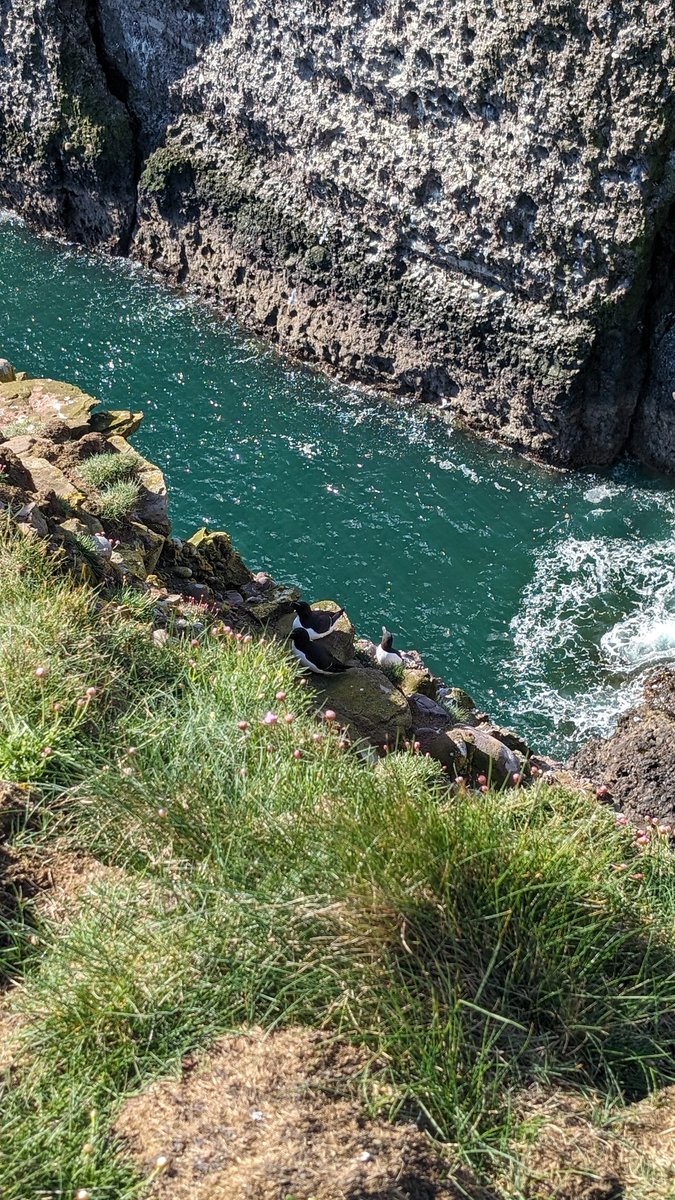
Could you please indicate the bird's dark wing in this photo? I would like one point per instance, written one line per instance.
(324, 659)
(321, 621)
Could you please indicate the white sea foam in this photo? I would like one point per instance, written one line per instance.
(598, 613)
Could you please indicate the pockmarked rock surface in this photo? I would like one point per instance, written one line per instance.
(637, 763)
(458, 203)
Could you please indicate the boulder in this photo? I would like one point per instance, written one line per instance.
(30, 515)
(7, 372)
(447, 748)
(419, 681)
(45, 477)
(428, 713)
(367, 703)
(120, 422)
(486, 755)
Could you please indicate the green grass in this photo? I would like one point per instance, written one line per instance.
(118, 500)
(474, 943)
(23, 426)
(105, 469)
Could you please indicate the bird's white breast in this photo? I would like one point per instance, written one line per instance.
(388, 658)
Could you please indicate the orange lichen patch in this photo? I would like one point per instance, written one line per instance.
(274, 1117)
(572, 1153)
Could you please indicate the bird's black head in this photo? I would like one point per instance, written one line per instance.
(301, 639)
(303, 609)
(387, 639)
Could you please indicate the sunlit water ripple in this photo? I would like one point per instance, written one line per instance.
(544, 594)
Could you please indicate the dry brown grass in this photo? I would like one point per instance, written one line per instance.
(277, 1118)
(574, 1152)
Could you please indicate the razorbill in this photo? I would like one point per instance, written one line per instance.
(314, 658)
(317, 622)
(385, 653)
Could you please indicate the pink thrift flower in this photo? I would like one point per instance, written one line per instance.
(329, 715)
(516, 777)
(482, 779)
(161, 812)
(484, 788)
(270, 718)
(317, 737)
(242, 725)
(281, 696)
(642, 841)
(41, 673)
(47, 751)
(91, 692)
(417, 746)
(297, 754)
(289, 718)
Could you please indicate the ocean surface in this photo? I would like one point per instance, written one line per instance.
(544, 594)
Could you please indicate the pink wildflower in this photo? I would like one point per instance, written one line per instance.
(281, 696)
(243, 725)
(329, 715)
(270, 718)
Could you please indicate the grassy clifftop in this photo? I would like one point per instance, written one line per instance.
(244, 867)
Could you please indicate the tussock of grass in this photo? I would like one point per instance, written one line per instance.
(104, 469)
(118, 500)
(474, 944)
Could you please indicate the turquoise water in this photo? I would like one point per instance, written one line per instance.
(544, 594)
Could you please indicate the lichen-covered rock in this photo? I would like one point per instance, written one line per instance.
(367, 703)
(34, 402)
(121, 422)
(448, 748)
(419, 680)
(487, 756)
(45, 477)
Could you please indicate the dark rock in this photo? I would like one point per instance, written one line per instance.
(367, 703)
(637, 763)
(487, 756)
(426, 712)
(450, 749)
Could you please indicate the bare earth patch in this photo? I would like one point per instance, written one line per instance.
(574, 1157)
(275, 1118)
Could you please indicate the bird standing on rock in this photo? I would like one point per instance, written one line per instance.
(316, 622)
(312, 657)
(385, 653)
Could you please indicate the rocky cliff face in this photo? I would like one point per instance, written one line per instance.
(464, 202)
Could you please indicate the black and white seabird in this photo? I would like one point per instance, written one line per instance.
(385, 653)
(314, 658)
(317, 622)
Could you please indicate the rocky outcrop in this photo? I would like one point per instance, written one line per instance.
(460, 203)
(634, 769)
(61, 465)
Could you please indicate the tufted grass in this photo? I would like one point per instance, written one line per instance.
(473, 943)
(117, 500)
(103, 469)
